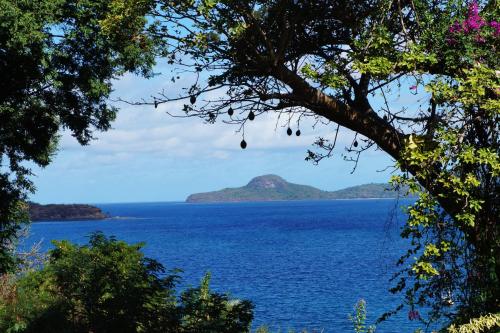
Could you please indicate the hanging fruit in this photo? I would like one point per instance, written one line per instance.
(156, 104)
(289, 131)
(230, 112)
(243, 144)
(192, 99)
(251, 115)
(297, 133)
(355, 143)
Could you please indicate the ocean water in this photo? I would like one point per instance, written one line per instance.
(304, 264)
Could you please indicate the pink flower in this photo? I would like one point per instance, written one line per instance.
(474, 22)
(473, 9)
(413, 88)
(496, 27)
(472, 25)
(455, 27)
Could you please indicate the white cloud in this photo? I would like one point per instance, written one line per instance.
(144, 131)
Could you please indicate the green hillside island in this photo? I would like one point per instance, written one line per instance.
(65, 212)
(272, 187)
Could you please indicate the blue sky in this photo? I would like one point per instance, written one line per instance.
(150, 156)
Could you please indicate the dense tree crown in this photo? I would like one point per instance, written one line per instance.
(333, 61)
(56, 68)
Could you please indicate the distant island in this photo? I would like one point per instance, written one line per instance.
(65, 212)
(273, 188)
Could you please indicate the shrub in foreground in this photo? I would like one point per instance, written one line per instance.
(109, 286)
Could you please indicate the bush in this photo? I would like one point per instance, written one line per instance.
(204, 311)
(109, 286)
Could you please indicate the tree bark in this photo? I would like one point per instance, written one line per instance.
(366, 122)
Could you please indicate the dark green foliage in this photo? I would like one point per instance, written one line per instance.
(109, 286)
(56, 65)
(204, 311)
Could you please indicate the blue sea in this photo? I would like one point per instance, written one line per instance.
(304, 264)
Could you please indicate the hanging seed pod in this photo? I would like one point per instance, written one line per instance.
(251, 115)
(355, 143)
(297, 133)
(192, 99)
(156, 104)
(243, 144)
(230, 112)
(289, 131)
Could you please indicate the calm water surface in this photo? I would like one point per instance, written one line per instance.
(303, 264)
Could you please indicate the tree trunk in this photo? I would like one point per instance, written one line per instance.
(366, 122)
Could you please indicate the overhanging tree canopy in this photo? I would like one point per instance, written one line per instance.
(331, 60)
(56, 68)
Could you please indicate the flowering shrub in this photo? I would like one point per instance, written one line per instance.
(473, 26)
